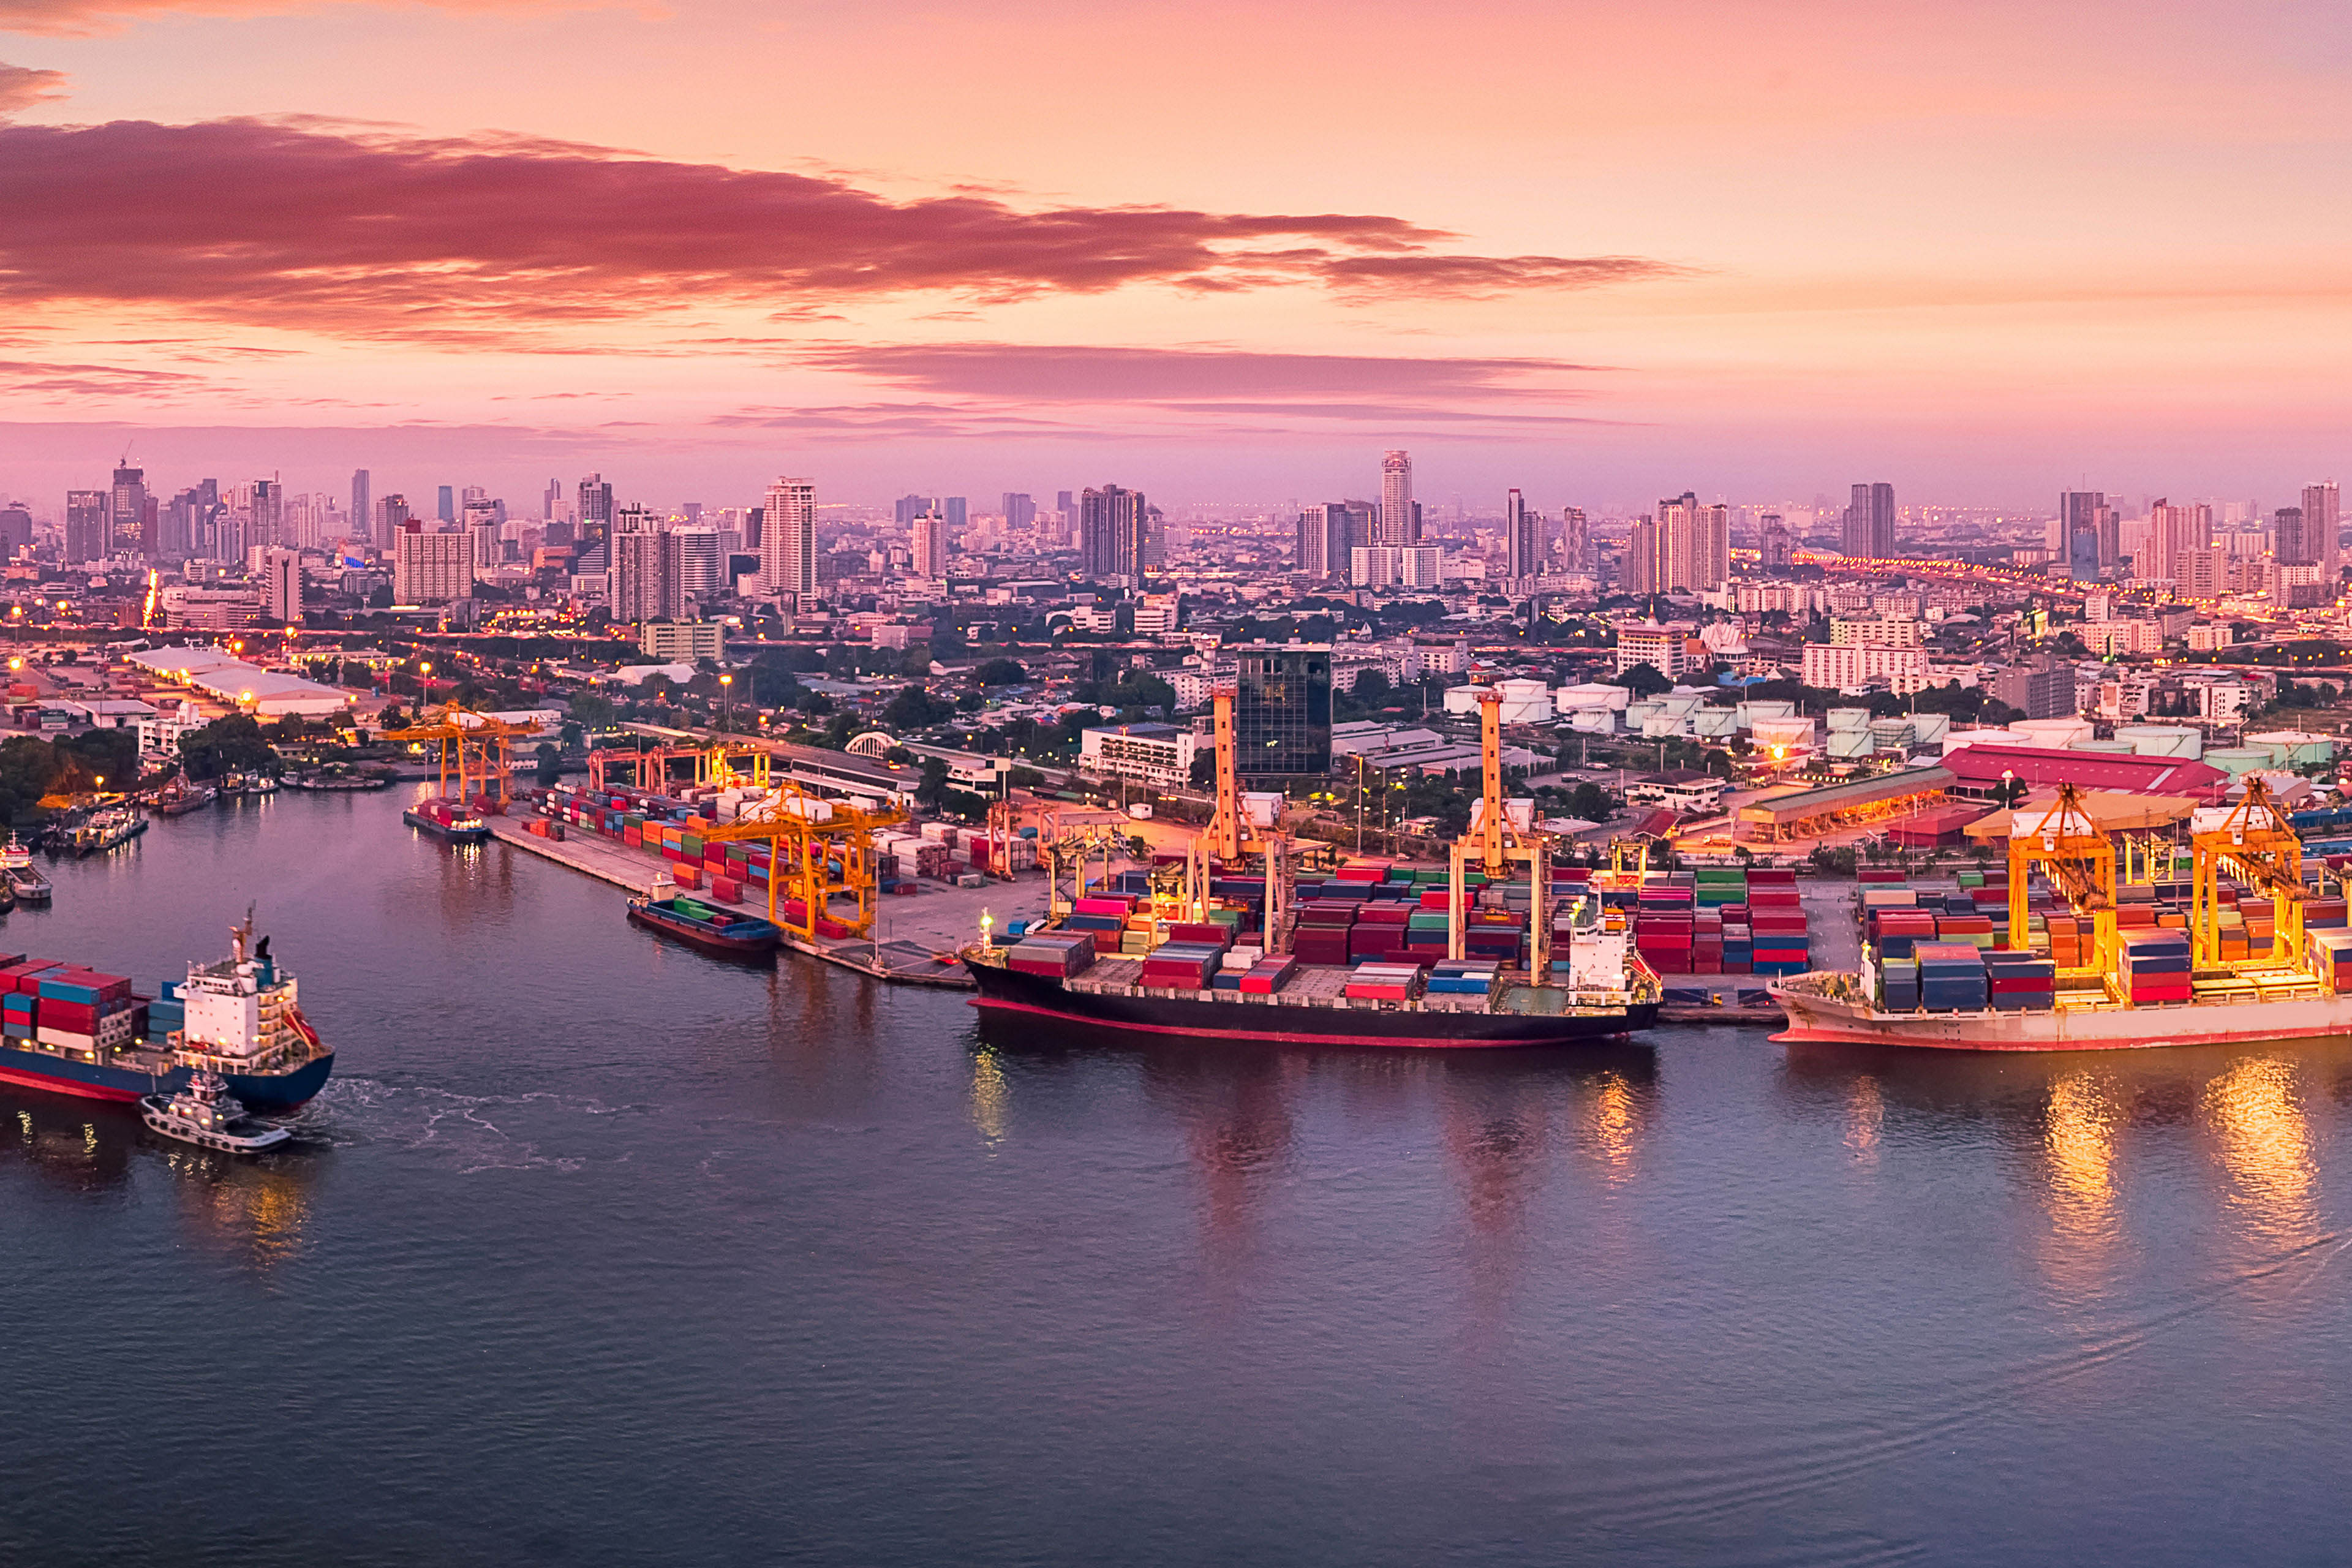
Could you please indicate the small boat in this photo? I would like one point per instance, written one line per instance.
(205, 1113)
(179, 797)
(24, 879)
(715, 932)
(256, 784)
(104, 829)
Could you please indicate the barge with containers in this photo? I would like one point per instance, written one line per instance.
(2247, 950)
(80, 1032)
(719, 933)
(447, 819)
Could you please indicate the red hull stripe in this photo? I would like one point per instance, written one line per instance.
(1819, 1036)
(1275, 1036)
(69, 1086)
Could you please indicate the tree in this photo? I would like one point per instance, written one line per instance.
(1000, 672)
(1644, 680)
(1589, 802)
(551, 763)
(593, 710)
(232, 743)
(915, 708)
(935, 782)
(1023, 778)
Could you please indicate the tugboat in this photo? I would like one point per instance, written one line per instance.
(179, 797)
(104, 828)
(715, 932)
(205, 1113)
(24, 879)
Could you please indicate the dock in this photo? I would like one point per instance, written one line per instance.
(909, 959)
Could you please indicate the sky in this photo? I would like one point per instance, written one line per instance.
(1222, 252)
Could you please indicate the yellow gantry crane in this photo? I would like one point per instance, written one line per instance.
(803, 833)
(721, 762)
(2077, 860)
(2254, 844)
(1495, 844)
(481, 747)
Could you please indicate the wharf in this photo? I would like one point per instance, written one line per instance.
(911, 940)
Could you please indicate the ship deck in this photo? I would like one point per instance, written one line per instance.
(1310, 986)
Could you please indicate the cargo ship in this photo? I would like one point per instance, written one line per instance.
(715, 932)
(1470, 956)
(447, 819)
(80, 1032)
(2201, 970)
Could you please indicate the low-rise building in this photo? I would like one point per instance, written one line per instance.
(1855, 667)
(1158, 755)
(1682, 789)
(682, 641)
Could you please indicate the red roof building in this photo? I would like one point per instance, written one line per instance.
(1976, 771)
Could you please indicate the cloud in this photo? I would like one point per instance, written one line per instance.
(82, 19)
(1089, 375)
(514, 241)
(22, 87)
(93, 380)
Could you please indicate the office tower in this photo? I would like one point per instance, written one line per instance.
(127, 511)
(281, 586)
(86, 515)
(595, 509)
(444, 506)
(1694, 544)
(1519, 527)
(1066, 504)
(2109, 523)
(702, 562)
(787, 539)
(264, 516)
(1325, 536)
(1282, 710)
(1113, 529)
(644, 577)
(2078, 532)
(907, 508)
(1641, 571)
(15, 530)
(1575, 541)
(391, 517)
(958, 513)
(930, 544)
(363, 507)
(753, 521)
(1020, 510)
(2173, 531)
(550, 505)
(477, 512)
(1778, 546)
(430, 568)
(1870, 523)
(2289, 543)
(2322, 531)
(1399, 517)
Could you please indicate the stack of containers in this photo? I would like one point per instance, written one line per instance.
(1383, 981)
(1738, 950)
(2066, 938)
(82, 1010)
(19, 1011)
(1464, 977)
(1900, 977)
(2328, 949)
(1380, 930)
(2020, 983)
(1322, 934)
(1665, 928)
(1102, 916)
(2156, 967)
(1428, 931)
(1779, 943)
(1182, 965)
(1894, 932)
(1974, 929)
(1952, 978)
(1268, 975)
(1139, 934)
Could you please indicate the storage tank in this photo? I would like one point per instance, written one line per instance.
(1592, 721)
(1749, 712)
(2295, 748)
(2055, 734)
(1593, 694)
(1931, 728)
(1955, 740)
(1664, 727)
(1681, 704)
(1786, 732)
(1526, 702)
(2163, 740)
(1849, 719)
(1636, 712)
(2235, 760)
(1892, 735)
(1849, 745)
(2116, 748)
(1714, 724)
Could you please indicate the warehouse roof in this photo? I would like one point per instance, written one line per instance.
(1785, 810)
(1980, 767)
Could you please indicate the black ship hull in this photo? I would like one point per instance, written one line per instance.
(1270, 1022)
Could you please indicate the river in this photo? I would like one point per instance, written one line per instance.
(600, 1252)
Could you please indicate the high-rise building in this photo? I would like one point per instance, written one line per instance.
(1641, 571)
(595, 509)
(1282, 709)
(364, 507)
(1778, 547)
(958, 512)
(281, 586)
(15, 530)
(126, 523)
(446, 504)
(907, 508)
(1870, 523)
(391, 517)
(2290, 544)
(2078, 532)
(1114, 534)
(1575, 541)
(550, 505)
(930, 544)
(644, 577)
(1519, 526)
(1020, 510)
(787, 539)
(1323, 539)
(86, 522)
(2323, 532)
(702, 562)
(1400, 521)
(2173, 531)
(1693, 544)
(430, 568)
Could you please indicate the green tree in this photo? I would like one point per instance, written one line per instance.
(1000, 672)
(1644, 680)
(1589, 801)
(551, 763)
(232, 743)
(915, 708)
(592, 710)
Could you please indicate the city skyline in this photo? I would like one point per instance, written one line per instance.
(1760, 297)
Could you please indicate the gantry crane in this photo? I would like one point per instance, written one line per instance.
(2254, 844)
(481, 747)
(803, 833)
(1230, 837)
(2077, 860)
(720, 763)
(1494, 843)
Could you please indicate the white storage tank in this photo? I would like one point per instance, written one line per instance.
(1849, 719)
(1595, 694)
(1786, 732)
(2055, 734)
(2163, 740)
(1931, 728)
(1750, 713)
(1664, 727)
(2235, 760)
(1636, 713)
(1713, 723)
(1849, 745)
(1985, 735)
(2296, 748)
(1592, 721)
(1526, 702)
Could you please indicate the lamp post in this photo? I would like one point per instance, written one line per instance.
(725, 681)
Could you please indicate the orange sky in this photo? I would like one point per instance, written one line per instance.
(1225, 251)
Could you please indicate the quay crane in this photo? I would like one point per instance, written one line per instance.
(2078, 860)
(481, 747)
(2254, 844)
(1498, 837)
(808, 831)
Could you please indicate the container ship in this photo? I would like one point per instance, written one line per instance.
(78, 1031)
(1472, 954)
(2247, 950)
(449, 819)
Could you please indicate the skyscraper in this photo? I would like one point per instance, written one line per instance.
(281, 586)
(930, 544)
(1693, 544)
(550, 505)
(430, 568)
(958, 513)
(701, 562)
(364, 509)
(86, 515)
(1575, 540)
(1778, 546)
(787, 539)
(2290, 543)
(1282, 709)
(126, 527)
(2173, 531)
(446, 508)
(1019, 510)
(907, 508)
(2078, 532)
(644, 577)
(1400, 517)
(2322, 530)
(596, 509)
(1324, 539)
(15, 529)
(1114, 531)
(1642, 570)
(1870, 523)
(1520, 536)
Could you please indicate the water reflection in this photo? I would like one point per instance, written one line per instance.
(2078, 1143)
(991, 1095)
(2264, 1145)
(1865, 1110)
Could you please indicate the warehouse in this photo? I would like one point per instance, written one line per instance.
(1856, 803)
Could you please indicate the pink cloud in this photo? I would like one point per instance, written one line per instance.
(1056, 374)
(517, 241)
(22, 87)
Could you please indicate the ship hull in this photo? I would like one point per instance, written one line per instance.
(1816, 1020)
(442, 831)
(271, 1092)
(758, 945)
(1271, 1022)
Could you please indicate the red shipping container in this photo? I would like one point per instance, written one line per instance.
(686, 875)
(79, 1016)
